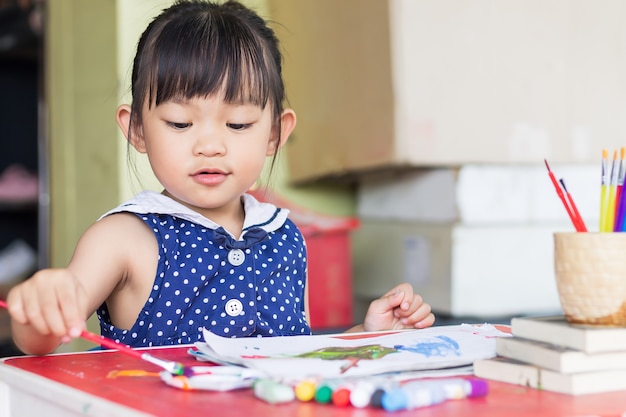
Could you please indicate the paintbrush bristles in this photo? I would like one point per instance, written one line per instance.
(174, 368)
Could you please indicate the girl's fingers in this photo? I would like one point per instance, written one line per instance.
(54, 317)
(427, 322)
(419, 313)
(16, 308)
(35, 316)
(72, 317)
(49, 309)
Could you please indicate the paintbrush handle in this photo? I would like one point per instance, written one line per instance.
(101, 340)
(170, 366)
(109, 343)
(98, 339)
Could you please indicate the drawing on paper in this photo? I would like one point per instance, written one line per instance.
(442, 346)
(353, 355)
(349, 352)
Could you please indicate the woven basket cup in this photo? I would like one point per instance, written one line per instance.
(590, 271)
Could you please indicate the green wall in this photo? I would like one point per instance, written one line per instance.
(80, 98)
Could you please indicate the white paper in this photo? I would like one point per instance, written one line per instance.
(347, 355)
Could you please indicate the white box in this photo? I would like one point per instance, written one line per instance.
(476, 240)
(482, 195)
(483, 271)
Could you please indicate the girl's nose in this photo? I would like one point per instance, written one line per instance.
(209, 143)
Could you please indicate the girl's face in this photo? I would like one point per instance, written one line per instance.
(205, 152)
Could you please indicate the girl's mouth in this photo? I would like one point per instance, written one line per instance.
(209, 177)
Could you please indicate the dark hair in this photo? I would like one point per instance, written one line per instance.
(198, 48)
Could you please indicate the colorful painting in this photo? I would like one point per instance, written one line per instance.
(354, 354)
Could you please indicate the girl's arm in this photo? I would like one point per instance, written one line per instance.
(52, 306)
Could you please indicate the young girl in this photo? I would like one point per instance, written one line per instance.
(207, 110)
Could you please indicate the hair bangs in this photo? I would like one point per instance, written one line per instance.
(208, 60)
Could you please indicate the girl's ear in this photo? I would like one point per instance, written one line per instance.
(287, 124)
(132, 134)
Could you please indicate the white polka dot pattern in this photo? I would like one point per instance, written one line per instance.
(259, 291)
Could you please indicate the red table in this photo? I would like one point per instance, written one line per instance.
(77, 384)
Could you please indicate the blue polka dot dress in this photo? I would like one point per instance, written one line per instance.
(205, 278)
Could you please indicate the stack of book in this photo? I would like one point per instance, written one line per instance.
(549, 353)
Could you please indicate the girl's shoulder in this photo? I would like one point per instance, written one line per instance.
(122, 227)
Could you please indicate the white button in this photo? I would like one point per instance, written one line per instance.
(236, 257)
(233, 307)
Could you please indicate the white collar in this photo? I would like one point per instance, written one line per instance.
(257, 214)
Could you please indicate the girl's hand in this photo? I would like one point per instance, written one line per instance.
(49, 303)
(400, 308)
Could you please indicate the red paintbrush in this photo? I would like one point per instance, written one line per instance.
(174, 368)
(571, 212)
(580, 224)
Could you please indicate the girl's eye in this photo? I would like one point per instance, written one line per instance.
(178, 126)
(239, 126)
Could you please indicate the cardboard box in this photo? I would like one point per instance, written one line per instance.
(385, 85)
